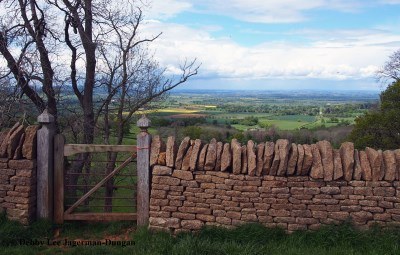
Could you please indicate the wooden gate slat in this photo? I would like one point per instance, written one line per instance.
(98, 185)
(101, 216)
(72, 149)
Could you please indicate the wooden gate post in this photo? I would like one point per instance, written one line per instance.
(143, 171)
(45, 166)
(59, 142)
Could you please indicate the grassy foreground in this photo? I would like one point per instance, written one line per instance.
(247, 239)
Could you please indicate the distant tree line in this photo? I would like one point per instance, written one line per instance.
(339, 110)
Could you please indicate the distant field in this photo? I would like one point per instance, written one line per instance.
(188, 115)
(285, 124)
(167, 110)
(282, 122)
(242, 127)
(287, 110)
(241, 115)
(301, 118)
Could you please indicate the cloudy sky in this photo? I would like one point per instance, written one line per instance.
(277, 44)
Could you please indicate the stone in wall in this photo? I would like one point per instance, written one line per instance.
(382, 168)
(183, 147)
(3, 135)
(236, 156)
(226, 158)
(202, 158)
(29, 147)
(171, 150)
(347, 156)
(293, 156)
(251, 158)
(365, 166)
(220, 147)
(186, 158)
(308, 159)
(389, 162)
(283, 146)
(397, 155)
(357, 175)
(13, 141)
(156, 148)
(317, 169)
(211, 155)
(375, 161)
(260, 158)
(195, 154)
(326, 151)
(268, 157)
(244, 159)
(161, 160)
(300, 159)
(18, 150)
(4, 144)
(275, 162)
(337, 165)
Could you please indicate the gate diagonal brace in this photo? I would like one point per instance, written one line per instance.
(98, 185)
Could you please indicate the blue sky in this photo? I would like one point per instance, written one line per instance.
(276, 44)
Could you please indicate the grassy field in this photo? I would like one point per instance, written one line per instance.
(246, 240)
(282, 110)
(285, 124)
(282, 122)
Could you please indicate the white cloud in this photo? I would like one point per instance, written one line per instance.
(164, 9)
(273, 11)
(356, 56)
(260, 11)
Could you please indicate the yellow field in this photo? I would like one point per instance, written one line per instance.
(177, 110)
(169, 110)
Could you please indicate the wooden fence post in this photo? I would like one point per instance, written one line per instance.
(45, 166)
(59, 141)
(143, 171)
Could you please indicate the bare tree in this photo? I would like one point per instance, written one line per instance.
(23, 26)
(10, 104)
(391, 69)
(132, 77)
(99, 40)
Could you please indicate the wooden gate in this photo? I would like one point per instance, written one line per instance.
(86, 187)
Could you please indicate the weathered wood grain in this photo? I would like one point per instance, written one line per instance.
(143, 179)
(59, 141)
(45, 138)
(101, 216)
(72, 149)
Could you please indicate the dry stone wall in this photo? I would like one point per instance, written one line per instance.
(277, 184)
(18, 173)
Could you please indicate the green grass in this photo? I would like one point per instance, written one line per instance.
(243, 127)
(285, 124)
(298, 118)
(246, 239)
(242, 115)
(280, 124)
